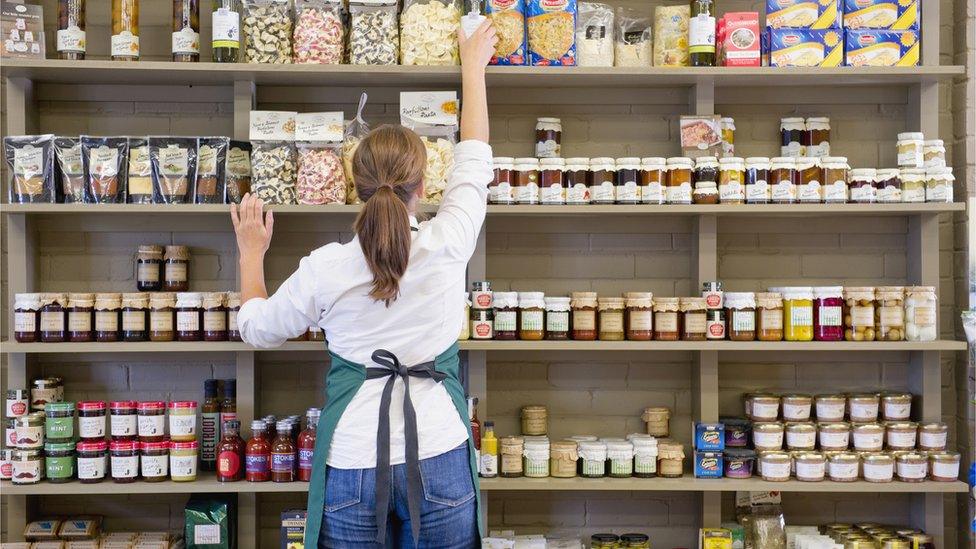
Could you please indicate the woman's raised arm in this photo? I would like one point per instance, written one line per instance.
(476, 51)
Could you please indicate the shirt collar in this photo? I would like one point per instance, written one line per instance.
(414, 224)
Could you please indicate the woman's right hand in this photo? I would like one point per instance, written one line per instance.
(253, 229)
(477, 49)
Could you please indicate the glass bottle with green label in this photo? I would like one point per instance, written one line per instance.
(226, 31)
(701, 33)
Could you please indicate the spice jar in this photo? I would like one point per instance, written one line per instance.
(186, 31)
(862, 185)
(944, 466)
(911, 150)
(706, 181)
(189, 313)
(500, 190)
(593, 456)
(506, 315)
(526, 180)
(53, 318)
(901, 435)
(645, 457)
(782, 180)
(59, 423)
(29, 431)
(769, 316)
(577, 181)
(843, 467)
(182, 420)
(124, 461)
(868, 437)
(535, 420)
(532, 313)
(80, 309)
(183, 461)
(562, 459)
(810, 466)
(792, 134)
(639, 316)
(933, 436)
(26, 311)
(830, 407)
(912, 467)
(611, 318)
(92, 461)
(809, 176)
(757, 180)
(732, 180)
(912, 185)
(889, 315)
(670, 458)
(888, 186)
(536, 458)
(798, 313)
(833, 436)
(510, 452)
(775, 466)
(123, 420)
(694, 318)
(135, 310)
(627, 187)
(151, 420)
(828, 313)
(863, 408)
(679, 180)
(834, 179)
(653, 180)
(154, 461)
(584, 305)
(149, 268)
(557, 318)
(125, 30)
(741, 307)
(548, 137)
(27, 467)
(620, 459)
(801, 436)
(214, 317)
(176, 263)
(859, 314)
(767, 435)
(797, 407)
(878, 467)
(162, 317)
(603, 180)
(551, 188)
(107, 308)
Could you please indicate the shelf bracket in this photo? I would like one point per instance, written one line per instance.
(705, 258)
(702, 97)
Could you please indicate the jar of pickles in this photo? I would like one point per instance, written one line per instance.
(798, 313)
(527, 181)
(912, 185)
(732, 180)
(551, 189)
(500, 190)
(694, 314)
(741, 308)
(584, 305)
(653, 180)
(679, 180)
(640, 316)
(782, 180)
(809, 177)
(859, 313)
(757, 180)
(921, 313)
(889, 314)
(862, 185)
(577, 178)
(828, 313)
(769, 316)
(611, 318)
(628, 181)
(834, 179)
(603, 180)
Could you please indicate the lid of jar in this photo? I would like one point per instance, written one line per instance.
(604, 538)
(531, 299)
(635, 538)
(653, 162)
(818, 123)
(807, 162)
(667, 304)
(833, 396)
(155, 446)
(602, 163)
(781, 162)
(630, 163)
(912, 174)
(584, 299)
(792, 120)
(183, 404)
(619, 445)
(108, 298)
(610, 303)
(901, 425)
(178, 252)
(189, 299)
(887, 173)
(775, 456)
(863, 174)
(81, 300)
(557, 304)
(823, 292)
(915, 290)
(551, 163)
(212, 300)
(534, 409)
(94, 446)
(151, 405)
(233, 299)
(527, 162)
(59, 407)
(124, 446)
(142, 297)
(583, 438)
(834, 162)
(162, 298)
(189, 445)
(502, 160)
(27, 301)
(680, 162)
(890, 292)
(859, 291)
(577, 161)
(706, 162)
(706, 187)
(91, 405)
(936, 143)
(945, 455)
(639, 299)
(869, 427)
(549, 120)
(838, 426)
(512, 440)
(798, 292)
(864, 396)
(692, 303)
(740, 300)
(931, 173)
(911, 136)
(633, 436)
(536, 443)
(731, 160)
(801, 426)
(768, 426)
(151, 250)
(122, 404)
(753, 160)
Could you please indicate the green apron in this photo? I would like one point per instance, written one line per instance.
(341, 384)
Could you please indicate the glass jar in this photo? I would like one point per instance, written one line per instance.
(92, 461)
(627, 185)
(757, 180)
(889, 314)
(562, 459)
(635, 541)
(828, 313)
(535, 420)
(526, 181)
(863, 407)
(59, 423)
(911, 150)
(816, 142)
(182, 420)
(933, 436)
(810, 466)
(80, 308)
(706, 181)
(183, 461)
(186, 31)
(830, 407)
(510, 456)
(769, 316)
(91, 420)
(71, 30)
(107, 308)
(603, 180)
(551, 188)
(896, 406)
(809, 180)
(738, 432)
(506, 315)
(611, 318)
(29, 431)
(645, 457)
(149, 268)
(834, 179)
(594, 459)
(944, 466)
(548, 137)
(939, 185)
(154, 461)
(801, 436)
(27, 467)
(888, 186)
(46, 390)
(653, 180)
(797, 407)
(125, 30)
(123, 420)
(912, 185)
(557, 318)
(728, 135)
(124, 461)
(792, 134)
(670, 459)
(762, 407)
(732, 180)
(782, 180)
(26, 312)
(878, 467)
(741, 308)
(901, 435)
(863, 185)
(859, 314)
(679, 188)
(798, 313)
(912, 467)
(775, 466)
(768, 436)
(833, 437)
(189, 316)
(482, 324)
(501, 188)
(584, 306)
(162, 317)
(694, 318)
(639, 316)
(214, 317)
(536, 462)
(843, 467)
(135, 311)
(532, 316)
(17, 403)
(577, 181)
(151, 420)
(933, 153)
(176, 262)
(868, 437)
(657, 421)
(667, 319)
(620, 459)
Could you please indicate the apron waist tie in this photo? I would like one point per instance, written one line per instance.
(391, 368)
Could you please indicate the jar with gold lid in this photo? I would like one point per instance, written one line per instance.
(667, 318)
(834, 437)
(135, 314)
(933, 436)
(911, 467)
(611, 318)
(810, 466)
(863, 407)
(801, 436)
(901, 435)
(830, 407)
(639, 316)
(694, 315)
(584, 305)
(843, 467)
(877, 467)
(797, 407)
(944, 466)
(107, 314)
(896, 406)
(80, 309)
(775, 466)
(176, 262)
(762, 407)
(767, 436)
(868, 437)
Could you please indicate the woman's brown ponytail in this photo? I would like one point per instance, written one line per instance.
(388, 168)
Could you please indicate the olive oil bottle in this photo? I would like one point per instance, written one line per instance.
(701, 33)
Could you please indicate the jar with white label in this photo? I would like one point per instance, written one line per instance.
(162, 318)
(557, 318)
(912, 185)
(810, 466)
(532, 316)
(706, 181)
(888, 187)
(527, 181)
(92, 461)
(921, 313)
(107, 317)
(679, 187)
(832, 437)
(603, 180)
(551, 189)
(124, 461)
(577, 180)
(27, 466)
(593, 459)
(911, 467)
(762, 407)
(828, 313)
(901, 435)
(506, 315)
(26, 311)
(154, 461)
(782, 180)
(863, 407)
(645, 457)
(653, 180)
(792, 132)
(628, 181)
(797, 407)
(878, 467)
(536, 458)
(125, 30)
(896, 406)
(610, 319)
(843, 467)
(911, 150)
(151, 420)
(501, 189)
(548, 137)
(939, 185)
(741, 315)
(890, 313)
(767, 436)
(775, 466)
(830, 407)
(757, 180)
(732, 180)
(801, 436)
(694, 319)
(862, 185)
(859, 314)
(29, 431)
(189, 316)
(834, 179)
(933, 436)
(809, 178)
(80, 309)
(183, 420)
(92, 420)
(868, 437)
(123, 420)
(639, 321)
(944, 466)
(933, 154)
(816, 142)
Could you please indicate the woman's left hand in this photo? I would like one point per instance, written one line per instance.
(253, 229)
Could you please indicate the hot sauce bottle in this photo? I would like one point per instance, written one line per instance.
(306, 445)
(283, 454)
(228, 406)
(230, 453)
(210, 426)
(257, 456)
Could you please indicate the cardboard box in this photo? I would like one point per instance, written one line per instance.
(805, 48)
(293, 529)
(739, 42)
(881, 48)
(881, 14)
(803, 14)
(709, 437)
(708, 465)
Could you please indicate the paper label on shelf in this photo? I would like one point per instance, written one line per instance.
(701, 34)
(695, 323)
(91, 468)
(578, 194)
(932, 440)
(911, 470)
(666, 322)
(831, 316)
(652, 193)
(801, 316)
(874, 471)
(532, 320)
(133, 321)
(123, 426)
(810, 192)
(603, 192)
(743, 321)
(836, 191)
(527, 194)
(892, 317)
(186, 41)
(187, 321)
(125, 466)
(25, 322)
(582, 320)
(628, 192)
(125, 44)
(945, 470)
(71, 39)
(557, 321)
(91, 427)
(868, 441)
(864, 193)
(553, 194)
(319, 126)
(506, 321)
(52, 321)
(206, 534)
(783, 191)
(641, 321)
(758, 191)
(152, 426)
(731, 191)
(842, 470)
(226, 28)
(106, 321)
(501, 193)
(862, 316)
(183, 466)
(835, 439)
(810, 470)
(182, 425)
(894, 411)
(79, 322)
(611, 322)
(154, 466)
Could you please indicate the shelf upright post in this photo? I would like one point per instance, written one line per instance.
(476, 362)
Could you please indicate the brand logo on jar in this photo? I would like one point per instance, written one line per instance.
(867, 39)
(717, 329)
(18, 408)
(483, 330)
(483, 300)
(713, 300)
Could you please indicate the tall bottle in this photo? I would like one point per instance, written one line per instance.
(489, 451)
(228, 406)
(125, 30)
(209, 426)
(230, 453)
(71, 29)
(186, 31)
(701, 33)
(257, 455)
(475, 427)
(306, 445)
(226, 43)
(283, 454)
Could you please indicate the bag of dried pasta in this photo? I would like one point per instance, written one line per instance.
(633, 46)
(508, 18)
(671, 35)
(594, 35)
(551, 25)
(434, 116)
(356, 130)
(428, 32)
(320, 178)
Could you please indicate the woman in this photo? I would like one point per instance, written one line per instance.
(394, 462)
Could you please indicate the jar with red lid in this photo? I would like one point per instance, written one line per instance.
(233, 307)
(92, 461)
(151, 417)
(828, 317)
(124, 461)
(53, 318)
(189, 316)
(123, 420)
(91, 420)
(154, 460)
(551, 184)
(183, 420)
(80, 309)
(214, 317)
(107, 309)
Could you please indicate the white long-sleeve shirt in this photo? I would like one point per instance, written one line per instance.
(331, 289)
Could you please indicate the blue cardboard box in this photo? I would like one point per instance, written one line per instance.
(806, 48)
(708, 465)
(881, 48)
(803, 14)
(551, 30)
(882, 14)
(709, 437)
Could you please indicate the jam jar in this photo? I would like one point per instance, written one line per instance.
(816, 137)
(834, 179)
(640, 316)
(162, 318)
(124, 461)
(911, 150)
(151, 420)
(888, 186)
(506, 315)
(551, 188)
(584, 306)
(80, 309)
(694, 318)
(912, 185)
(527, 180)
(653, 180)
(135, 312)
(92, 461)
(769, 316)
(706, 181)
(123, 420)
(757, 180)
(510, 458)
(667, 318)
(189, 316)
(91, 420)
(532, 316)
(548, 137)
(603, 180)
(107, 308)
(214, 317)
(233, 307)
(557, 318)
(154, 461)
(782, 180)
(741, 307)
(628, 181)
(53, 318)
(828, 317)
(792, 133)
(577, 180)
(679, 187)
(611, 318)
(732, 180)
(809, 176)
(176, 262)
(862, 185)
(500, 190)
(149, 268)
(26, 311)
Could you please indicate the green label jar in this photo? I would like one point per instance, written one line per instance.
(59, 461)
(59, 424)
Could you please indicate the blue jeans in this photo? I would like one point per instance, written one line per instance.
(448, 506)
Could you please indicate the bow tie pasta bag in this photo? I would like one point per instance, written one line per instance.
(434, 116)
(508, 18)
(374, 38)
(551, 25)
(428, 32)
(273, 161)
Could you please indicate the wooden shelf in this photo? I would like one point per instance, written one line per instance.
(502, 346)
(208, 484)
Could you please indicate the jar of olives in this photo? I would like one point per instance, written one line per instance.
(889, 315)
(859, 313)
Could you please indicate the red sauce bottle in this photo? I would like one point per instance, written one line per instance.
(257, 457)
(306, 445)
(230, 453)
(283, 454)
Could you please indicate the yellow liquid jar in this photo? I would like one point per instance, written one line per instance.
(797, 314)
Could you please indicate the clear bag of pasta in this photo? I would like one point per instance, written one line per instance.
(428, 32)
(267, 30)
(356, 129)
(318, 140)
(374, 37)
(273, 158)
(508, 19)
(434, 116)
(319, 32)
(594, 35)
(633, 46)
(552, 33)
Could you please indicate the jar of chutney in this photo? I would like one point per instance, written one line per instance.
(611, 318)
(107, 314)
(162, 316)
(551, 185)
(53, 318)
(26, 312)
(577, 181)
(584, 305)
(92, 461)
(532, 313)
(176, 262)
(149, 268)
(214, 317)
(667, 318)
(640, 316)
(506, 315)
(233, 304)
(557, 318)
(135, 312)
(80, 309)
